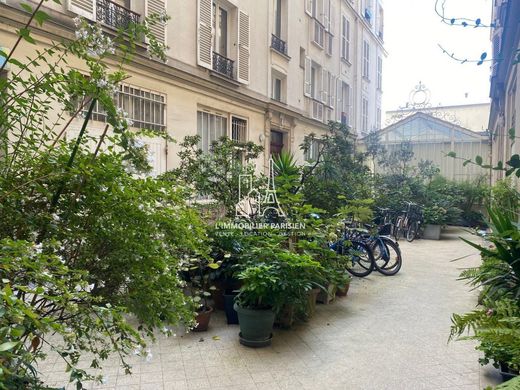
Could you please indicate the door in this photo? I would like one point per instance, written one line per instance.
(276, 142)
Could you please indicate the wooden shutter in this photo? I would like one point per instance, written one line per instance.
(307, 88)
(85, 8)
(332, 19)
(320, 10)
(339, 94)
(158, 29)
(205, 33)
(243, 56)
(332, 88)
(326, 14)
(324, 85)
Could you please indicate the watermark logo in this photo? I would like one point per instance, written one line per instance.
(252, 203)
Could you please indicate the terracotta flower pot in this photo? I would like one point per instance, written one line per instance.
(285, 318)
(203, 319)
(342, 292)
(328, 296)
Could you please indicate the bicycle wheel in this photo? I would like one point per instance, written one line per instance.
(360, 258)
(387, 256)
(411, 233)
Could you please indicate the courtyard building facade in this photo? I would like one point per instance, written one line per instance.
(270, 72)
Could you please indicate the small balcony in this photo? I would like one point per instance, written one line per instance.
(223, 65)
(115, 15)
(278, 44)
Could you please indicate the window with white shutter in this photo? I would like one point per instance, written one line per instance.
(158, 29)
(204, 33)
(324, 86)
(345, 39)
(85, 8)
(366, 60)
(243, 56)
(307, 88)
(308, 6)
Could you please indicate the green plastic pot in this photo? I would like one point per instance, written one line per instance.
(256, 326)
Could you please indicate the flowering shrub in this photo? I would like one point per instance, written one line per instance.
(84, 242)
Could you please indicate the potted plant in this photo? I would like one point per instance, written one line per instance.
(434, 218)
(343, 283)
(256, 304)
(196, 273)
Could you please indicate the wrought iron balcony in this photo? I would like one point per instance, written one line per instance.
(223, 65)
(115, 15)
(278, 44)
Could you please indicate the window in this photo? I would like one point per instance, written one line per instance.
(319, 32)
(278, 18)
(314, 81)
(364, 115)
(379, 73)
(278, 87)
(329, 42)
(378, 118)
(345, 39)
(145, 108)
(220, 26)
(311, 154)
(345, 104)
(210, 127)
(366, 60)
(381, 20)
(238, 129)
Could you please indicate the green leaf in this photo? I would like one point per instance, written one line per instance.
(27, 7)
(41, 17)
(478, 160)
(25, 33)
(213, 265)
(452, 154)
(8, 345)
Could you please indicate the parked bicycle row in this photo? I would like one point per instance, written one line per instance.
(405, 224)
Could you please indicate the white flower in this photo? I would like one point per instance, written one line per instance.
(38, 248)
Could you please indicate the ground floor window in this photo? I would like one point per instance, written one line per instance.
(277, 142)
(210, 127)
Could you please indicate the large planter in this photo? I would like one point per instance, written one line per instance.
(328, 296)
(229, 301)
(217, 295)
(256, 326)
(506, 372)
(432, 232)
(285, 318)
(203, 320)
(312, 296)
(342, 291)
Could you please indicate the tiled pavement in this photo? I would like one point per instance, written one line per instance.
(389, 333)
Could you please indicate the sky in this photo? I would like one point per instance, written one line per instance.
(413, 32)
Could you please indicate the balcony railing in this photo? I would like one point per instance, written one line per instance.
(278, 44)
(115, 15)
(223, 65)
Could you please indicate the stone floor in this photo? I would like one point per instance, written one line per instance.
(389, 333)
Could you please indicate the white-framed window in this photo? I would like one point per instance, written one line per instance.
(345, 39)
(238, 129)
(319, 33)
(278, 86)
(329, 43)
(146, 109)
(379, 73)
(346, 95)
(311, 154)
(366, 60)
(364, 115)
(316, 76)
(220, 28)
(210, 127)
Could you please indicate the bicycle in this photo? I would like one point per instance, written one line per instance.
(386, 252)
(359, 253)
(407, 224)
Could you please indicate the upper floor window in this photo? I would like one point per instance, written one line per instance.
(345, 39)
(366, 60)
(364, 115)
(223, 39)
(379, 73)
